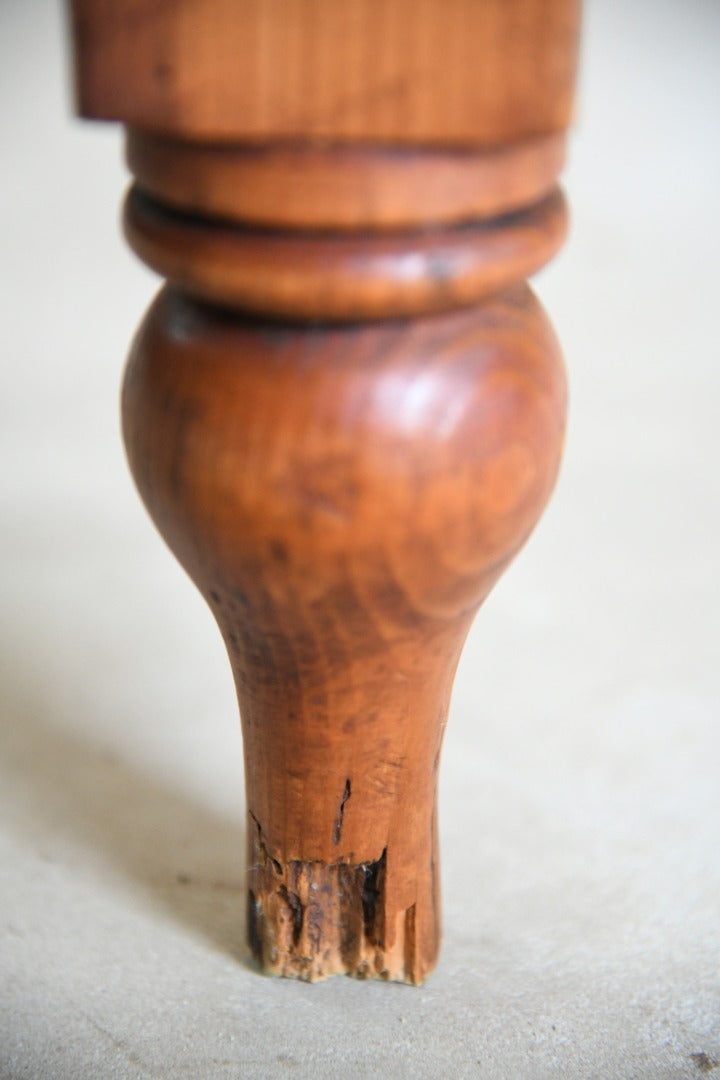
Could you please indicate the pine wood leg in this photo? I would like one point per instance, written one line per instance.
(345, 409)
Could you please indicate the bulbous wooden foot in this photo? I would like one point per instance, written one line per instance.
(344, 498)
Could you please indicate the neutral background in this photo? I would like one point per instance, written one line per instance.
(580, 803)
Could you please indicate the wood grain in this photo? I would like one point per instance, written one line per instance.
(477, 72)
(345, 499)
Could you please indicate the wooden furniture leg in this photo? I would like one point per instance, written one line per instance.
(345, 410)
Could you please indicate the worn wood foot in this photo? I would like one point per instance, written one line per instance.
(345, 413)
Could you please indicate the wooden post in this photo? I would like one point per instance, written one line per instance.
(345, 410)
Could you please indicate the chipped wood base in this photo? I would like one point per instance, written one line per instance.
(310, 920)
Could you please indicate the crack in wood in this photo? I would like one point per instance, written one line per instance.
(410, 950)
(297, 912)
(372, 893)
(263, 848)
(337, 830)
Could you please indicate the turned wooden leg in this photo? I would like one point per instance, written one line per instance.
(345, 414)
(344, 498)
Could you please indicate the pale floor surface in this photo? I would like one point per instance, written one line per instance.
(580, 794)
